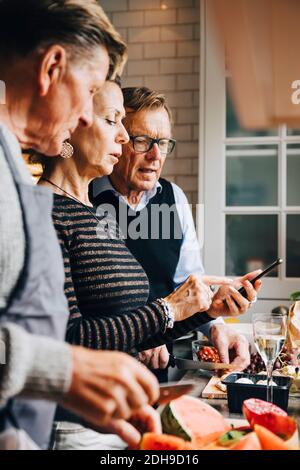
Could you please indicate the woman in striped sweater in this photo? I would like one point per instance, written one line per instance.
(106, 287)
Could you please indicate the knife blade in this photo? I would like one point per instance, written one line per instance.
(188, 364)
(172, 390)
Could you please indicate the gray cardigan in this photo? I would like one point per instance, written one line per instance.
(36, 367)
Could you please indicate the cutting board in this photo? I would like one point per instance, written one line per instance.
(211, 391)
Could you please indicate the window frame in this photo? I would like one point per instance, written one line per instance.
(212, 173)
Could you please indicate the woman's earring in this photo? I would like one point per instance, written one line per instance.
(67, 150)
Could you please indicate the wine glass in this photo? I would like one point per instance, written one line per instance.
(269, 332)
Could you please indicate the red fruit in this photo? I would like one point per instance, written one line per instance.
(152, 441)
(269, 416)
(209, 354)
(268, 440)
(250, 442)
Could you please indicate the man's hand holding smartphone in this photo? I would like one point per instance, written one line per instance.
(228, 301)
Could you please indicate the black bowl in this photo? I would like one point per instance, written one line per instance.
(238, 392)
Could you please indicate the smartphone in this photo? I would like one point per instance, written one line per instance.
(242, 290)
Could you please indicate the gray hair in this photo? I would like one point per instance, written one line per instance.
(79, 25)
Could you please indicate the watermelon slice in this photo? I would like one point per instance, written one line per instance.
(152, 441)
(249, 442)
(193, 420)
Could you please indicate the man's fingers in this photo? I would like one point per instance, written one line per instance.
(257, 285)
(222, 347)
(250, 291)
(96, 408)
(146, 420)
(216, 280)
(145, 357)
(233, 308)
(239, 364)
(124, 430)
(250, 276)
(126, 394)
(242, 354)
(238, 301)
(148, 382)
(154, 362)
(220, 341)
(164, 358)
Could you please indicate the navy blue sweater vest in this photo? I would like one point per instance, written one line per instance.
(158, 248)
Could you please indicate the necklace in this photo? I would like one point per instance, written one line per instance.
(77, 200)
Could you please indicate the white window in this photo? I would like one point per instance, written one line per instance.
(249, 183)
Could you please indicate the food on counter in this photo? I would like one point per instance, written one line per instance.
(221, 386)
(208, 354)
(153, 441)
(257, 365)
(268, 440)
(293, 335)
(249, 442)
(193, 420)
(265, 382)
(290, 371)
(269, 416)
(244, 380)
(232, 437)
(294, 373)
(203, 428)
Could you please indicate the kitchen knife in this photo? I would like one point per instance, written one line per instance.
(188, 364)
(172, 390)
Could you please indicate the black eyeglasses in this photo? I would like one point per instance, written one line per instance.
(144, 143)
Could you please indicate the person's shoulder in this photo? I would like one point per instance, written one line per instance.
(64, 210)
(15, 150)
(179, 194)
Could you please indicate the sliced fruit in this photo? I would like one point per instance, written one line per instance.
(152, 441)
(249, 442)
(269, 440)
(231, 437)
(193, 420)
(269, 416)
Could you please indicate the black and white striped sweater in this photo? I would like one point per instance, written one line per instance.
(107, 289)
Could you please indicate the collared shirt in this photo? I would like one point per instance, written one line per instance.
(190, 261)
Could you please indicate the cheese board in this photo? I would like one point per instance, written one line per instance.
(212, 391)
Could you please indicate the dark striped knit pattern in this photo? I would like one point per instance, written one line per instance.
(107, 289)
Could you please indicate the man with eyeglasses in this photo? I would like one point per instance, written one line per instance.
(135, 187)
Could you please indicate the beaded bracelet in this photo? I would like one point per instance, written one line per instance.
(168, 312)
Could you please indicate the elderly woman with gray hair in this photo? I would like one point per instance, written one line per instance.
(54, 57)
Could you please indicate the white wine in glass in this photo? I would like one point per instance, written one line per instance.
(269, 331)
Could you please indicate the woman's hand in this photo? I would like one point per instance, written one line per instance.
(156, 358)
(229, 302)
(194, 295)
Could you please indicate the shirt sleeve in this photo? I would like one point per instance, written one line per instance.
(33, 366)
(190, 261)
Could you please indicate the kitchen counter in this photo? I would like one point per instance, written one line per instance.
(221, 404)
